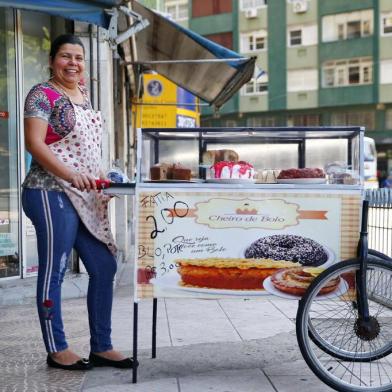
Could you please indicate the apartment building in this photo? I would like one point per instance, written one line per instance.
(325, 62)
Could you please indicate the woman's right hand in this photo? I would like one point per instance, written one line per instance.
(83, 182)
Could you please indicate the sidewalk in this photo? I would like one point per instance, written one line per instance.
(228, 345)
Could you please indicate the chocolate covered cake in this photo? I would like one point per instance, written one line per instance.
(288, 247)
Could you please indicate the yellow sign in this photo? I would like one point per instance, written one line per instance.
(160, 107)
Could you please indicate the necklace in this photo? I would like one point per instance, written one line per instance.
(62, 90)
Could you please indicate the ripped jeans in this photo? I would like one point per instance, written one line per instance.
(59, 229)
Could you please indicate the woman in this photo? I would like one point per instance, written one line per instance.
(63, 135)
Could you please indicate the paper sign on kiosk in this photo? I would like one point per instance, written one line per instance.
(274, 214)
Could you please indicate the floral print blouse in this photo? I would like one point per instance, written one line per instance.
(44, 101)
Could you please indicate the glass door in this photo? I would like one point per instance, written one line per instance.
(9, 202)
(38, 30)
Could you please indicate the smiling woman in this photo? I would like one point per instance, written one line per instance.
(63, 134)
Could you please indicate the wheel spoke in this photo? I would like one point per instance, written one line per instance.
(343, 350)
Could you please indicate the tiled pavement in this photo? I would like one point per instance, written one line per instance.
(229, 345)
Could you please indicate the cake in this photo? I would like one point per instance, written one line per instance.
(295, 248)
(159, 171)
(165, 171)
(180, 173)
(228, 273)
(228, 170)
(212, 156)
(295, 281)
(343, 178)
(267, 176)
(289, 174)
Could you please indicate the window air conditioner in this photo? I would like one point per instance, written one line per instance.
(251, 13)
(300, 6)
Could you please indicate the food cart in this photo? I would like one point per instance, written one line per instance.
(209, 237)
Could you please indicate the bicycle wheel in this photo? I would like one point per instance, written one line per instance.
(336, 345)
(336, 351)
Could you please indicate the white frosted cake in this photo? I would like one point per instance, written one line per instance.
(236, 170)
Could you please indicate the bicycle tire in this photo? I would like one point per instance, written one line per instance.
(378, 255)
(330, 349)
(346, 361)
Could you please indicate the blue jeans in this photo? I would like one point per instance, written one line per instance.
(59, 229)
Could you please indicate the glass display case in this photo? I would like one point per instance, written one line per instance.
(331, 156)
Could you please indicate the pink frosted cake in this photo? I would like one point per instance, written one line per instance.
(237, 170)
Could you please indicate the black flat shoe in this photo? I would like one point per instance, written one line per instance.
(82, 364)
(126, 363)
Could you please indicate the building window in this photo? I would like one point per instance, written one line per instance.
(347, 26)
(386, 24)
(354, 29)
(364, 119)
(254, 41)
(329, 77)
(255, 122)
(230, 123)
(295, 37)
(386, 71)
(256, 86)
(302, 80)
(354, 74)
(178, 10)
(252, 4)
(367, 28)
(354, 118)
(341, 31)
(224, 39)
(347, 72)
(303, 120)
(211, 7)
(303, 35)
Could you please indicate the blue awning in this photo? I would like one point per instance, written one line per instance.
(90, 11)
(206, 69)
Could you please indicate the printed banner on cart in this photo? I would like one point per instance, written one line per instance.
(218, 243)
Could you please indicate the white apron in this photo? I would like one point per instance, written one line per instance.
(81, 151)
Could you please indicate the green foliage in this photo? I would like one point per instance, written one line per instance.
(36, 57)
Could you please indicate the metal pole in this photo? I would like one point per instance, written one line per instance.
(18, 44)
(98, 71)
(169, 104)
(154, 327)
(91, 50)
(135, 324)
(188, 61)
